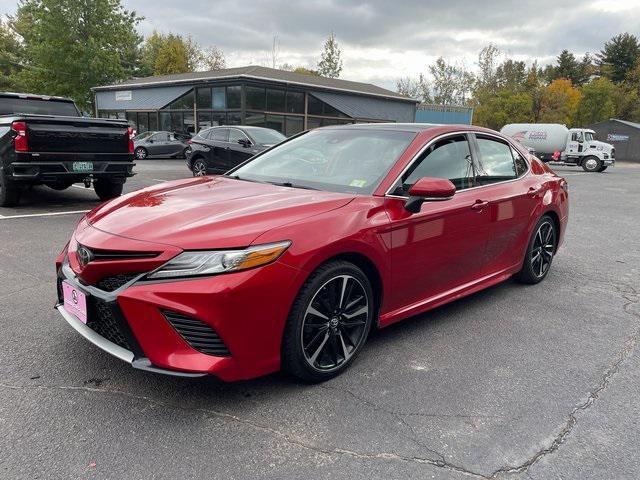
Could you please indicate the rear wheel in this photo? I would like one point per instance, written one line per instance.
(141, 153)
(329, 322)
(199, 168)
(9, 192)
(106, 189)
(592, 164)
(540, 251)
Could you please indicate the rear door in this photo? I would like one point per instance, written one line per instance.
(238, 153)
(158, 143)
(513, 195)
(219, 153)
(441, 247)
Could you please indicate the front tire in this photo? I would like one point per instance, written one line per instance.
(540, 252)
(592, 164)
(106, 189)
(329, 322)
(9, 192)
(141, 153)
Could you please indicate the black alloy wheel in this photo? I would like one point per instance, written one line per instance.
(329, 323)
(539, 252)
(199, 168)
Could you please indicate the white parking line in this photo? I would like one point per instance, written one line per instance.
(34, 215)
(160, 179)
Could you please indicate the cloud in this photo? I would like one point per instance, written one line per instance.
(384, 39)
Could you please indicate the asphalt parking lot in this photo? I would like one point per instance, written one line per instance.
(513, 382)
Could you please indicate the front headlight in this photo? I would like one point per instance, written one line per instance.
(192, 264)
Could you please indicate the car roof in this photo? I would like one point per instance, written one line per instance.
(34, 96)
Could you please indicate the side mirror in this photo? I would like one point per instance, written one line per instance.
(429, 189)
(244, 142)
(150, 140)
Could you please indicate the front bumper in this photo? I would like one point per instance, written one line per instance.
(247, 309)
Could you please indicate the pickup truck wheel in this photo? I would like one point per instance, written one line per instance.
(591, 164)
(141, 153)
(9, 192)
(106, 190)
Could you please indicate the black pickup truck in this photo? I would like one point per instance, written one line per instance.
(45, 140)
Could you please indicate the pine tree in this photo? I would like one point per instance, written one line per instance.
(330, 64)
(619, 56)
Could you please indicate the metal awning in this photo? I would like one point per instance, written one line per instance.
(139, 98)
(367, 108)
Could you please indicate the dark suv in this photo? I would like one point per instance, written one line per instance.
(219, 149)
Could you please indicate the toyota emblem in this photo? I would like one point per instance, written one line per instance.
(84, 256)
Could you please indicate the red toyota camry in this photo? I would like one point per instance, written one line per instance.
(289, 260)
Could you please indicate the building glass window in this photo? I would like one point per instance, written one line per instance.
(189, 123)
(275, 100)
(203, 98)
(185, 102)
(275, 122)
(153, 121)
(256, 98)
(295, 102)
(293, 125)
(234, 118)
(204, 120)
(234, 94)
(313, 123)
(176, 122)
(131, 120)
(143, 122)
(219, 98)
(165, 121)
(255, 119)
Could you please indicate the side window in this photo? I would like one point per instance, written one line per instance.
(449, 158)
(220, 135)
(495, 163)
(161, 137)
(235, 135)
(521, 163)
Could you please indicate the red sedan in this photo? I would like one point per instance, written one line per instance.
(289, 260)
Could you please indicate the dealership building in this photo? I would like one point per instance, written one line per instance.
(623, 135)
(285, 101)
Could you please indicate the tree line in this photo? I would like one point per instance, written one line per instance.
(574, 91)
(65, 47)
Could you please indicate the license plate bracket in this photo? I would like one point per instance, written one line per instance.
(75, 301)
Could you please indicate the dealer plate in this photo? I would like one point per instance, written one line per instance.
(75, 301)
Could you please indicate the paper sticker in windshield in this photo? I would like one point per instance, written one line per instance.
(358, 183)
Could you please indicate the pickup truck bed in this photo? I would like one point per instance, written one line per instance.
(58, 151)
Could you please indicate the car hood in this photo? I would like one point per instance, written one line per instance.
(209, 212)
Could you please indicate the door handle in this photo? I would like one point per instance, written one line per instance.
(479, 205)
(534, 191)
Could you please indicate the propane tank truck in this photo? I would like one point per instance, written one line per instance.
(552, 142)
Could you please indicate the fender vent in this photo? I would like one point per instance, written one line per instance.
(197, 334)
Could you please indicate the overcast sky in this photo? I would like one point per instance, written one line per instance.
(383, 40)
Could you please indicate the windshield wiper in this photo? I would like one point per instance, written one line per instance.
(292, 185)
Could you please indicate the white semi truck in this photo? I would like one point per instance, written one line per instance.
(552, 142)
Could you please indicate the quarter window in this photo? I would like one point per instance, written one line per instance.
(521, 163)
(449, 158)
(495, 163)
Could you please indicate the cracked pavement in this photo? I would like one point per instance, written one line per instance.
(513, 382)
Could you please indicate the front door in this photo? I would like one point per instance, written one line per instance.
(238, 152)
(442, 247)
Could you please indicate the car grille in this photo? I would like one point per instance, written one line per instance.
(104, 323)
(197, 334)
(109, 284)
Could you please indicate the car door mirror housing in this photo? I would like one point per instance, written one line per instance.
(244, 142)
(429, 189)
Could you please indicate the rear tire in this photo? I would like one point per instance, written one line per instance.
(106, 189)
(9, 192)
(592, 164)
(540, 252)
(329, 322)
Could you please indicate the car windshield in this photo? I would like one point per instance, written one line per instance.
(36, 106)
(266, 137)
(588, 136)
(338, 160)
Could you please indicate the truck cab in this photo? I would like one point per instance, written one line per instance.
(584, 150)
